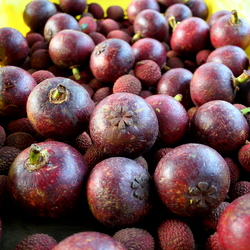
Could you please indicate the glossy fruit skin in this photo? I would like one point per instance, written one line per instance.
(220, 125)
(151, 23)
(74, 8)
(14, 48)
(111, 59)
(123, 124)
(190, 36)
(89, 240)
(172, 118)
(62, 120)
(232, 56)
(223, 32)
(233, 225)
(36, 13)
(58, 22)
(70, 48)
(192, 179)
(119, 192)
(53, 190)
(212, 81)
(15, 86)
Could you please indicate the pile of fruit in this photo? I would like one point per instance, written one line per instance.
(136, 119)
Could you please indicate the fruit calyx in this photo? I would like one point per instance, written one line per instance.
(100, 48)
(140, 184)
(241, 79)
(172, 22)
(234, 20)
(121, 117)
(202, 194)
(37, 158)
(59, 94)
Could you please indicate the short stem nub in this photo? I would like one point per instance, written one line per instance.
(234, 19)
(35, 155)
(242, 78)
(245, 111)
(178, 97)
(59, 94)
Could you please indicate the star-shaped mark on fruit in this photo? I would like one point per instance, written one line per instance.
(141, 186)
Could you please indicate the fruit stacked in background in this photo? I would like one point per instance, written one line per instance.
(119, 98)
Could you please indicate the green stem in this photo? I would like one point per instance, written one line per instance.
(76, 73)
(35, 154)
(137, 36)
(235, 18)
(58, 93)
(172, 22)
(245, 111)
(178, 97)
(242, 78)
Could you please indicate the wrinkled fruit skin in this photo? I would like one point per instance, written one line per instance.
(14, 48)
(111, 59)
(53, 190)
(233, 225)
(124, 124)
(63, 120)
(89, 240)
(16, 85)
(192, 179)
(220, 125)
(119, 192)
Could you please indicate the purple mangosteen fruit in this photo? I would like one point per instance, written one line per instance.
(124, 124)
(192, 179)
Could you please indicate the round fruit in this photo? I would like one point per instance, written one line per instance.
(111, 59)
(119, 192)
(59, 108)
(124, 124)
(46, 179)
(192, 179)
(233, 225)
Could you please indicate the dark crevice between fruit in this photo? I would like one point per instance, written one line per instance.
(37, 158)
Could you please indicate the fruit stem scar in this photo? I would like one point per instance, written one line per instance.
(59, 94)
(235, 19)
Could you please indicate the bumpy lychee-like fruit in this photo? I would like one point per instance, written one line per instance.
(211, 242)
(20, 125)
(210, 220)
(238, 189)
(126, 185)
(2, 136)
(127, 83)
(7, 156)
(175, 234)
(124, 124)
(36, 241)
(101, 93)
(4, 193)
(243, 156)
(20, 140)
(235, 215)
(235, 169)
(135, 238)
(148, 72)
(192, 179)
(90, 240)
(82, 142)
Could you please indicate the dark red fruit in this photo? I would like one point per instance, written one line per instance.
(96, 10)
(73, 7)
(33, 37)
(172, 118)
(127, 187)
(41, 75)
(120, 34)
(20, 125)
(199, 8)
(176, 81)
(192, 179)
(111, 59)
(14, 48)
(115, 12)
(136, 6)
(230, 30)
(2, 136)
(190, 36)
(87, 24)
(124, 124)
(216, 15)
(135, 238)
(97, 37)
(238, 189)
(235, 216)
(107, 25)
(201, 56)
(58, 22)
(59, 108)
(101, 93)
(175, 234)
(211, 243)
(70, 49)
(149, 48)
(215, 81)
(179, 10)
(36, 13)
(40, 59)
(15, 86)
(234, 167)
(234, 57)
(220, 125)
(37, 241)
(150, 23)
(46, 179)
(89, 240)
(167, 3)
(244, 156)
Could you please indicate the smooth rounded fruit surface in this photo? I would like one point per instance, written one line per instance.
(119, 192)
(89, 240)
(111, 59)
(233, 225)
(124, 124)
(192, 179)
